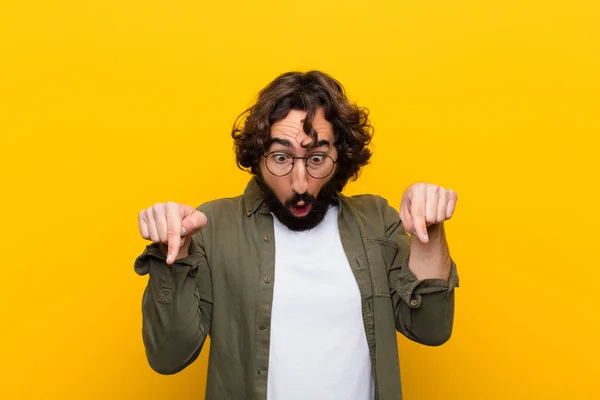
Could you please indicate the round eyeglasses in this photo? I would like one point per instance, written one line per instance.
(318, 165)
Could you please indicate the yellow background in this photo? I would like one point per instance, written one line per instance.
(107, 107)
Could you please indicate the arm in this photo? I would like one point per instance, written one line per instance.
(430, 260)
(176, 307)
(423, 276)
(177, 301)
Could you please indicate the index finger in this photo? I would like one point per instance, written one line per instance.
(417, 211)
(173, 231)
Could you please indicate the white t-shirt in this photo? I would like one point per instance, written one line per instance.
(318, 350)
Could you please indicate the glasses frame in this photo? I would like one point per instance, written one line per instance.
(266, 156)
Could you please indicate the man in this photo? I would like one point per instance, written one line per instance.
(300, 288)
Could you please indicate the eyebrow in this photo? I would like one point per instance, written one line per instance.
(288, 144)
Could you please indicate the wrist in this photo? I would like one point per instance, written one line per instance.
(435, 230)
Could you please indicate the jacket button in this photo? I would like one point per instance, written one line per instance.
(262, 326)
(413, 303)
(267, 238)
(267, 279)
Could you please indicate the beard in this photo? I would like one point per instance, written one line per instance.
(319, 205)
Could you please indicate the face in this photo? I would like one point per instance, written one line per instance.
(297, 199)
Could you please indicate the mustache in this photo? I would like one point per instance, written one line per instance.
(296, 198)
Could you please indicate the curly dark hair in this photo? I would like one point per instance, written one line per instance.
(307, 92)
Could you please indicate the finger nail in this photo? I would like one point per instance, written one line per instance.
(424, 237)
(183, 231)
(170, 258)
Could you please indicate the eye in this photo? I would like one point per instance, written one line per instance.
(316, 159)
(281, 158)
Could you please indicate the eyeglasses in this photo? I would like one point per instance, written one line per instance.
(318, 165)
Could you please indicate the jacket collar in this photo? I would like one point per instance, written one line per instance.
(253, 197)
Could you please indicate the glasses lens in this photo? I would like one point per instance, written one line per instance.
(279, 164)
(319, 166)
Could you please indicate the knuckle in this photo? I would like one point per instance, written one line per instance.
(172, 233)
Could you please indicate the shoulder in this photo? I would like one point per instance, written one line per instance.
(372, 210)
(371, 204)
(224, 216)
(224, 206)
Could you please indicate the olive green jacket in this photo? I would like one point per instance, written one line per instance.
(224, 289)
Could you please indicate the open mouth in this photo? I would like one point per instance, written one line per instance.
(300, 210)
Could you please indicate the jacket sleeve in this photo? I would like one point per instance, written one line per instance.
(176, 306)
(424, 309)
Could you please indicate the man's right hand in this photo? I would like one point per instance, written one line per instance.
(171, 225)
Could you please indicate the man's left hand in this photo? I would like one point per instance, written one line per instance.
(424, 205)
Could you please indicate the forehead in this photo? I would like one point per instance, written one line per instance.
(292, 128)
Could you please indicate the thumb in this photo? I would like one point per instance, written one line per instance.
(407, 221)
(193, 222)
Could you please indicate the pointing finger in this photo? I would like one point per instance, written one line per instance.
(418, 213)
(173, 231)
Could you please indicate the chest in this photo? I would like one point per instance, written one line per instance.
(312, 272)
(252, 258)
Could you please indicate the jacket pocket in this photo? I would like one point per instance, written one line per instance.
(380, 253)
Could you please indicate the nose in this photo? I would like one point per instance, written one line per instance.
(299, 178)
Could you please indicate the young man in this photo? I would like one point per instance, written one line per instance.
(300, 288)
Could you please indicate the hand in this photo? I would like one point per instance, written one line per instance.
(423, 205)
(173, 225)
